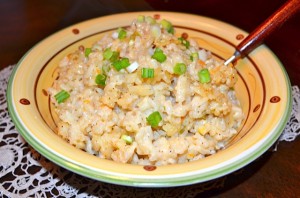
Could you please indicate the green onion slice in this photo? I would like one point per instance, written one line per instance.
(121, 64)
(132, 67)
(87, 52)
(107, 54)
(179, 68)
(154, 119)
(184, 42)
(167, 25)
(147, 72)
(62, 96)
(100, 79)
(150, 20)
(122, 33)
(204, 75)
(127, 139)
(194, 56)
(141, 18)
(105, 69)
(110, 55)
(155, 31)
(114, 57)
(159, 55)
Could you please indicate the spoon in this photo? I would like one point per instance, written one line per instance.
(255, 38)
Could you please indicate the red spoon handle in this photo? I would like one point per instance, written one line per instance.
(275, 21)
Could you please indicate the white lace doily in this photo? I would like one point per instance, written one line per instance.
(25, 173)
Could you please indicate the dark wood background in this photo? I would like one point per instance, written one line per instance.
(23, 23)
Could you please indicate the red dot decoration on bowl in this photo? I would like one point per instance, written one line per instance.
(24, 101)
(239, 37)
(45, 93)
(275, 99)
(184, 35)
(256, 108)
(150, 168)
(156, 16)
(75, 31)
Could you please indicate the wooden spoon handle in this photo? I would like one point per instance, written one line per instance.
(275, 21)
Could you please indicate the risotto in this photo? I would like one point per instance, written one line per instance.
(144, 95)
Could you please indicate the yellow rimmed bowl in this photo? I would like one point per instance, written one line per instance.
(263, 88)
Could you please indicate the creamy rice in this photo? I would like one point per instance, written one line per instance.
(111, 119)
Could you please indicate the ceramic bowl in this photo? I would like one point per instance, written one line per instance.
(263, 88)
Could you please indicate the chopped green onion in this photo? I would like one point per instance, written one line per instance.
(204, 76)
(121, 64)
(154, 119)
(159, 55)
(132, 67)
(105, 69)
(184, 42)
(150, 20)
(147, 72)
(122, 33)
(127, 139)
(114, 57)
(155, 31)
(141, 18)
(62, 96)
(167, 25)
(87, 52)
(179, 68)
(100, 79)
(107, 54)
(194, 56)
(110, 55)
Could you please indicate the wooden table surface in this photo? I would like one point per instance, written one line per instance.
(275, 174)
